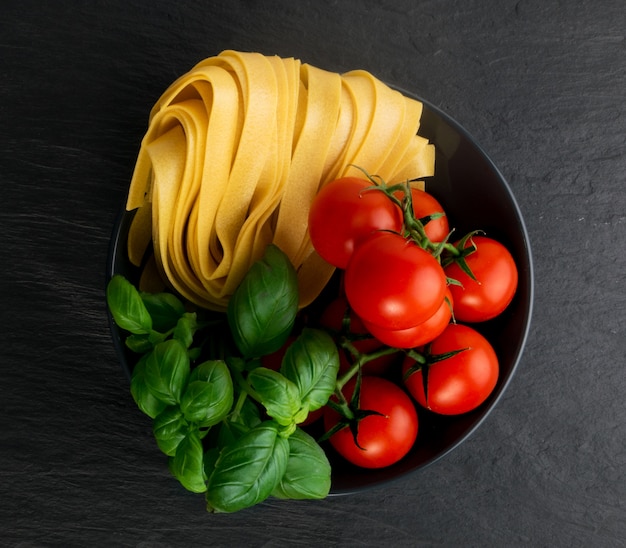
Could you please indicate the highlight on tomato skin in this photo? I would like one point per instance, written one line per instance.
(383, 438)
(342, 215)
(420, 334)
(458, 384)
(496, 281)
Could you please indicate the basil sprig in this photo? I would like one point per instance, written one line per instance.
(207, 395)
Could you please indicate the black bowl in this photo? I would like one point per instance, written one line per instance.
(475, 196)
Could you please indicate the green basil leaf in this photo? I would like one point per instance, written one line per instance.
(187, 465)
(227, 433)
(170, 428)
(249, 415)
(311, 363)
(209, 371)
(140, 344)
(262, 310)
(126, 306)
(308, 470)
(144, 398)
(208, 397)
(210, 458)
(279, 396)
(164, 308)
(248, 471)
(194, 353)
(167, 371)
(237, 425)
(186, 328)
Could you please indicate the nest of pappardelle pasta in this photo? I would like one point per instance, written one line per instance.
(235, 152)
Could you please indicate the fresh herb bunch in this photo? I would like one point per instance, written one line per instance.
(229, 426)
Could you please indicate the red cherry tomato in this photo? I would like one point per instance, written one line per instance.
(383, 439)
(420, 334)
(342, 215)
(275, 359)
(496, 275)
(332, 318)
(313, 416)
(393, 283)
(458, 384)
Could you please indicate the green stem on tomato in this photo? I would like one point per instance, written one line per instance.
(361, 360)
(342, 407)
(413, 227)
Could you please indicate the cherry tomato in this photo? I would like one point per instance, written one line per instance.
(496, 275)
(458, 384)
(275, 359)
(332, 318)
(342, 215)
(383, 439)
(425, 204)
(420, 334)
(313, 416)
(393, 283)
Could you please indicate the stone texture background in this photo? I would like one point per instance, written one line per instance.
(540, 85)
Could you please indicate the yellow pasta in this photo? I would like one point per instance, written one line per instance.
(235, 152)
(319, 114)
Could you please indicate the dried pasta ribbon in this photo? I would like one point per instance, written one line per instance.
(319, 111)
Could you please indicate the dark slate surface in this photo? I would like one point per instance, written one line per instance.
(542, 87)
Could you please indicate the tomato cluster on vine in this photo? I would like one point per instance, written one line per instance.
(406, 288)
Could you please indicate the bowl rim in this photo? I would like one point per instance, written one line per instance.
(115, 245)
